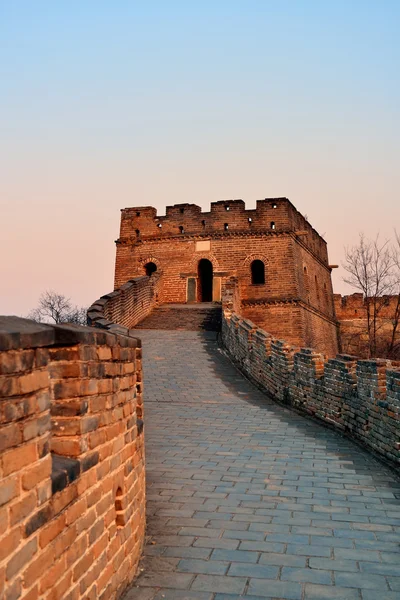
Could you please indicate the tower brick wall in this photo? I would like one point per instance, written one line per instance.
(294, 300)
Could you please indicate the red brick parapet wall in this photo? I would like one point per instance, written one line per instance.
(121, 310)
(359, 397)
(72, 492)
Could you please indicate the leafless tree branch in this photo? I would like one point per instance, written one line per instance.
(57, 308)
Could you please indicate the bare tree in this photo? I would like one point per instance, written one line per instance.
(394, 344)
(371, 268)
(57, 308)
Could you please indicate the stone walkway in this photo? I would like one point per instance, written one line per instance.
(247, 499)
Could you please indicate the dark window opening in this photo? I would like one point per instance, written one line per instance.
(119, 515)
(138, 213)
(181, 229)
(203, 223)
(257, 272)
(226, 226)
(205, 280)
(272, 224)
(150, 268)
(137, 232)
(182, 210)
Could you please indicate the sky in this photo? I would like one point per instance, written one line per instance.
(105, 105)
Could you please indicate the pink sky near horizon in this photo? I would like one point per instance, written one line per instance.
(104, 109)
(64, 239)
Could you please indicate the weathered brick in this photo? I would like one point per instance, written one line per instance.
(39, 565)
(77, 550)
(9, 489)
(36, 427)
(83, 565)
(51, 531)
(36, 473)
(33, 381)
(96, 531)
(17, 458)
(23, 508)
(52, 575)
(9, 436)
(19, 560)
(38, 520)
(9, 543)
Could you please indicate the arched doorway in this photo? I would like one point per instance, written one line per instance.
(205, 281)
(150, 268)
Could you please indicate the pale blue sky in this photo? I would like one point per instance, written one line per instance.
(106, 105)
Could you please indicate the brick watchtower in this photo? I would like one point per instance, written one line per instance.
(280, 261)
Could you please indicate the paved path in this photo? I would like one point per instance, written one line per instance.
(248, 499)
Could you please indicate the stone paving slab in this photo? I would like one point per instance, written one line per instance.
(247, 499)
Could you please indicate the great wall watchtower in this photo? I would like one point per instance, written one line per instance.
(280, 262)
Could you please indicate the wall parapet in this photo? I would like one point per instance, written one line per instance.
(358, 397)
(270, 214)
(72, 496)
(120, 310)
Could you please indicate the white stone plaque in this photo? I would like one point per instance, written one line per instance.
(203, 246)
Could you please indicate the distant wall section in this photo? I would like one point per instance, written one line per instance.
(351, 313)
(359, 397)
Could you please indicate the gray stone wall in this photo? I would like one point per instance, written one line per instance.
(359, 397)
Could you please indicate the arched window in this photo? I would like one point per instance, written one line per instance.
(150, 268)
(257, 272)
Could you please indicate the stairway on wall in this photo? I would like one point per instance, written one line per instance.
(204, 316)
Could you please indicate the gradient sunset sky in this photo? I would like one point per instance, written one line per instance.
(105, 105)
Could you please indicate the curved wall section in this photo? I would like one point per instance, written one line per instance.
(72, 493)
(358, 397)
(121, 310)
